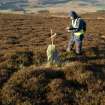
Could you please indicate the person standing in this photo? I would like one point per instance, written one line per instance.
(78, 29)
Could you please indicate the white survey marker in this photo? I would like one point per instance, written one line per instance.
(52, 53)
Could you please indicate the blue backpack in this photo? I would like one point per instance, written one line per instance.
(84, 26)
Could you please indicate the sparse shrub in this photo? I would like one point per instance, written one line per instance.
(25, 58)
(4, 75)
(5, 72)
(24, 103)
(25, 85)
(67, 56)
(92, 53)
(20, 59)
(77, 71)
(39, 58)
(12, 40)
(60, 93)
(17, 61)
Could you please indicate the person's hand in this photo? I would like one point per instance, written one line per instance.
(68, 29)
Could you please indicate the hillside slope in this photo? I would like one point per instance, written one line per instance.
(24, 79)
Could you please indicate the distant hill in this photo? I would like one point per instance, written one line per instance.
(11, 4)
(33, 4)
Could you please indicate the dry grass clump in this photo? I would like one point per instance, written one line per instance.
(4, 75)
(12, 40)
(39, 57)
(67, 56)
(15, 62)
(91, 78)
(5, 72)
(21, 58)
(60, 93)
(28, 85)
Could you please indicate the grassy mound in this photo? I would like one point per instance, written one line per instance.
(75, 84)
(29, 86)
(17, 61)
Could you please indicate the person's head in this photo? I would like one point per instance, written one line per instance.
(73, 15)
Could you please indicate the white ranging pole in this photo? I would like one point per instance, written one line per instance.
(51, 36)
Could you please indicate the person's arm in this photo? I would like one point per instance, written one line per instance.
(70, 29)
